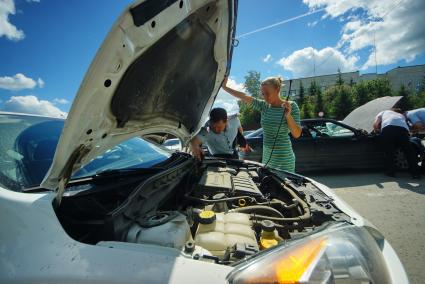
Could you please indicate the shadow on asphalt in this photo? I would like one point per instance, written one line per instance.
(342, 179)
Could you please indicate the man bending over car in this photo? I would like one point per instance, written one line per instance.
(219, 136)
(395, 134)
(417, 119)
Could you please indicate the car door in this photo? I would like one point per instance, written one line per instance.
(372, 155)
(337, 146)
(304, 149)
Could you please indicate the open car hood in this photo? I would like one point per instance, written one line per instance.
(364, 116)
(158, 70)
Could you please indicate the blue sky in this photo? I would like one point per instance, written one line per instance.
(47, 45)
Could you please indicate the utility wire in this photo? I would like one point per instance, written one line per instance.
(280, 23)
(392, 9)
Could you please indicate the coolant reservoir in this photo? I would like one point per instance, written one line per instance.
(218, 231)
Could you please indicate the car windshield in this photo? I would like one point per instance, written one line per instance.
(171, 142)
(28, 145)
(337, 130)
(330, 129)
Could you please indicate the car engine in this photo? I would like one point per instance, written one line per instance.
(220, 211)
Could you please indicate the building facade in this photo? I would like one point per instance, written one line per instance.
(409, 76)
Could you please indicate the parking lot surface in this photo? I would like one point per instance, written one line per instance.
(395, 205)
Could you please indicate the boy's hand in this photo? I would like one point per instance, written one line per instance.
(198, 153)
(246, 149)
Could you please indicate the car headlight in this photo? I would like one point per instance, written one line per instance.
(342, 254)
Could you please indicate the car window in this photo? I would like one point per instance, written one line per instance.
(328, 129)
(171, 142)
(335, 130)
(28, 145)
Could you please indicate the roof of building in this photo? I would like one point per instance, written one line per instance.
(377, 74)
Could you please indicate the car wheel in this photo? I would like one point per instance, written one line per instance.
(400, 160)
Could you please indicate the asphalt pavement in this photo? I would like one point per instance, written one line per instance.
(395, 205)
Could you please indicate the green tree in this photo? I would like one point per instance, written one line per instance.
(339, 81)
(313, 89)
(253, 83)
(422, 86)
(250, 118)
(342, 103)
(301, 95)
(379, 88)
(319, 106)
(307, 108)
(406, 102)
(418, 101)
(360, 94)
(317, 98)
(304, 103)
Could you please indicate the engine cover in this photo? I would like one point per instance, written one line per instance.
(216, 180)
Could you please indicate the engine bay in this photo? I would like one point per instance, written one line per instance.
(219, 210)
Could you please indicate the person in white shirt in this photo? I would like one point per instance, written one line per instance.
(417, 118)
(395, 134)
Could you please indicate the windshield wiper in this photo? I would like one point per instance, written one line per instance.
(126, 172)
(34, 189)
(101, 175)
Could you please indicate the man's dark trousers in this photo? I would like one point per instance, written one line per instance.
(394, 137)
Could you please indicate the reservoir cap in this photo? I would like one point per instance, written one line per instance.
(267, 225)
(207, 217)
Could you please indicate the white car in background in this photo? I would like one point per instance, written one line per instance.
(87, 201)
(173, 144)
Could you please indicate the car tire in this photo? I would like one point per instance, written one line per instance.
(400, 160)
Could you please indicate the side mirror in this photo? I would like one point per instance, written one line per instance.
(360, 132)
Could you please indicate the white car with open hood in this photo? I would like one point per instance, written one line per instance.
(86, 200)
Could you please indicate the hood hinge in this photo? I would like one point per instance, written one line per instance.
(67, 171)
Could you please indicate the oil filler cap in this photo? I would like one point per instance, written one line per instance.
(207, 217)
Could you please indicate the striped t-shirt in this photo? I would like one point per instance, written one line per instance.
(283, 157)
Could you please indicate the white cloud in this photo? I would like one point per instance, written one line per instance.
(226, 101)
(7, 7)
(31, 104)
(397, 27)
(312, 24)
(267, 58)
(40, 82)
(60, 101)
(19, 82)
(7, 29)
(309, 61)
